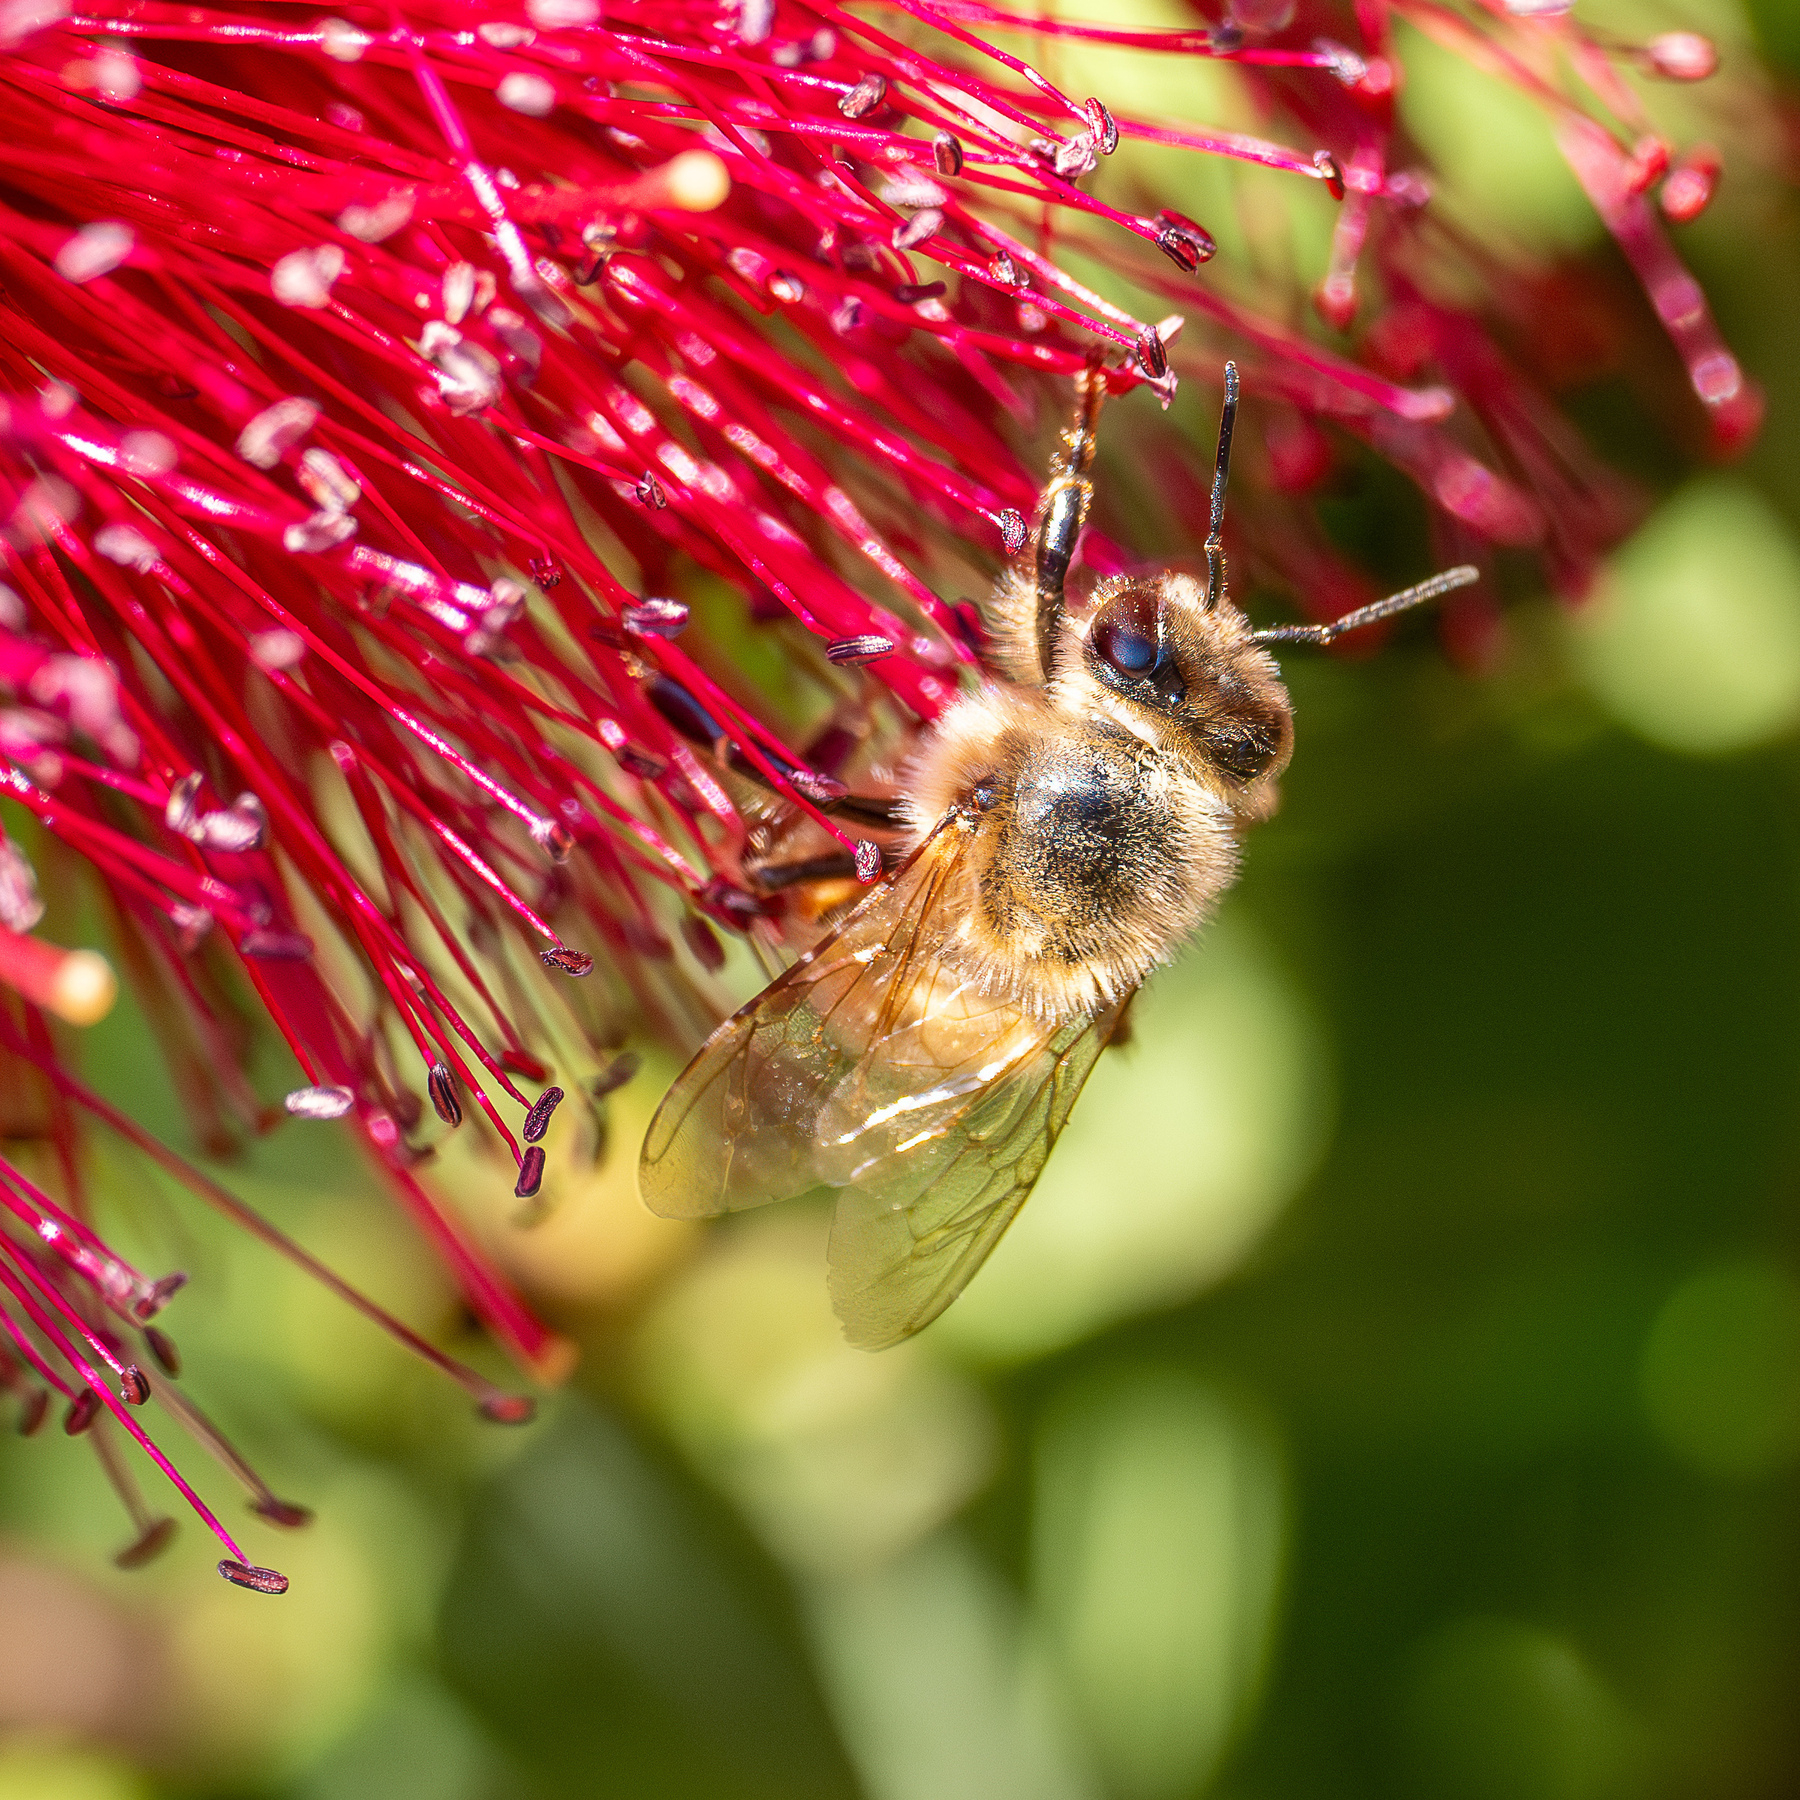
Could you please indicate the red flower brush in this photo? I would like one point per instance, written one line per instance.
(381, 395)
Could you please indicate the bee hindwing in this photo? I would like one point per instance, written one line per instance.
(876, 1067)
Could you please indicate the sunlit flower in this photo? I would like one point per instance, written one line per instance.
(417, 431)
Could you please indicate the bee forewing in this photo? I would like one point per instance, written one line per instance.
(778, 1098)
(875, 1067)
(921, 1219)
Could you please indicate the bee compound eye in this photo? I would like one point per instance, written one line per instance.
(1125, 634)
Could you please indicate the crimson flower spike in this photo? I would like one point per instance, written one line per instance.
(405, 415)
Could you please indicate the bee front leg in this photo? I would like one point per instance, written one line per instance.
(1063, 510)
(1027, 611)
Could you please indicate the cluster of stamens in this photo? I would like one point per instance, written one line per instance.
(367, 382)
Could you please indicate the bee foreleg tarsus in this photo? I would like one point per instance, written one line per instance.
(1062, 509)
(1061, 514)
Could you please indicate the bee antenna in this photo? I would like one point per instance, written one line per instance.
(1404, 601)
(1215, 553)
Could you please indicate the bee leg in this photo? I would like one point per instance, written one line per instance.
(833, 865)
(1062, 510)
(686, 712)
(1124, 1033)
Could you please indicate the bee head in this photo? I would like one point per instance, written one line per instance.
(1150, 652)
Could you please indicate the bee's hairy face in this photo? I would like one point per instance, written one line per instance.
(1188, 679)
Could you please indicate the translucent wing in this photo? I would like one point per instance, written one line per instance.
(920, 1220)
(874, 1066)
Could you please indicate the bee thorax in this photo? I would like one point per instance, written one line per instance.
(1096, 855)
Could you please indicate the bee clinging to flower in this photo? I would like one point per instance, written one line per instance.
(1069, 825)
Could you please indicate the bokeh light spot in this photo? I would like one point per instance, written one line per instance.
(1498, 1710)
(1157, 1546)
(1693, 638)
(1492, 148)
(1720, 1376)
(40, 1772)
(1187, 1143)
(839, 1458)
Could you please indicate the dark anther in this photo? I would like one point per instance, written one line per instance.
(151, 1543)
(946, 154)
(1151, 354)
(134, 1385)
(646, 940)
(643, 766)
(733, 906)
(566, 961)
(822, 790)
(868, 861)
(650, 491)
(324, 1101)
(924, 225)
(162, 1347)
(537, 1121)
(1012, 531)
(544, 572)
(1105, 126)
(656, 617)
(33, 1412)
(853, 650)
(508, 1409)
(1333, 176)
(1186, 244)
(531, 1173)
(910, 293)
(258, 1581)
(440, 1083)
(266, 945)
(616, 1073)
(864, 97)
(81, 1412)
(518, 1062)
(284, 1513)
(1223, 39)
(704, 942)
(162, 1291)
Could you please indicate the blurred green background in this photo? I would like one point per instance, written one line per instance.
(1393, 1388)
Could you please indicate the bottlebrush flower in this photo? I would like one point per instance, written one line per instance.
(388, 401)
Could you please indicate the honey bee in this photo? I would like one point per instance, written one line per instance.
(1067, 827)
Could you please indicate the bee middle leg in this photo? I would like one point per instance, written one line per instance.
(772, 878)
